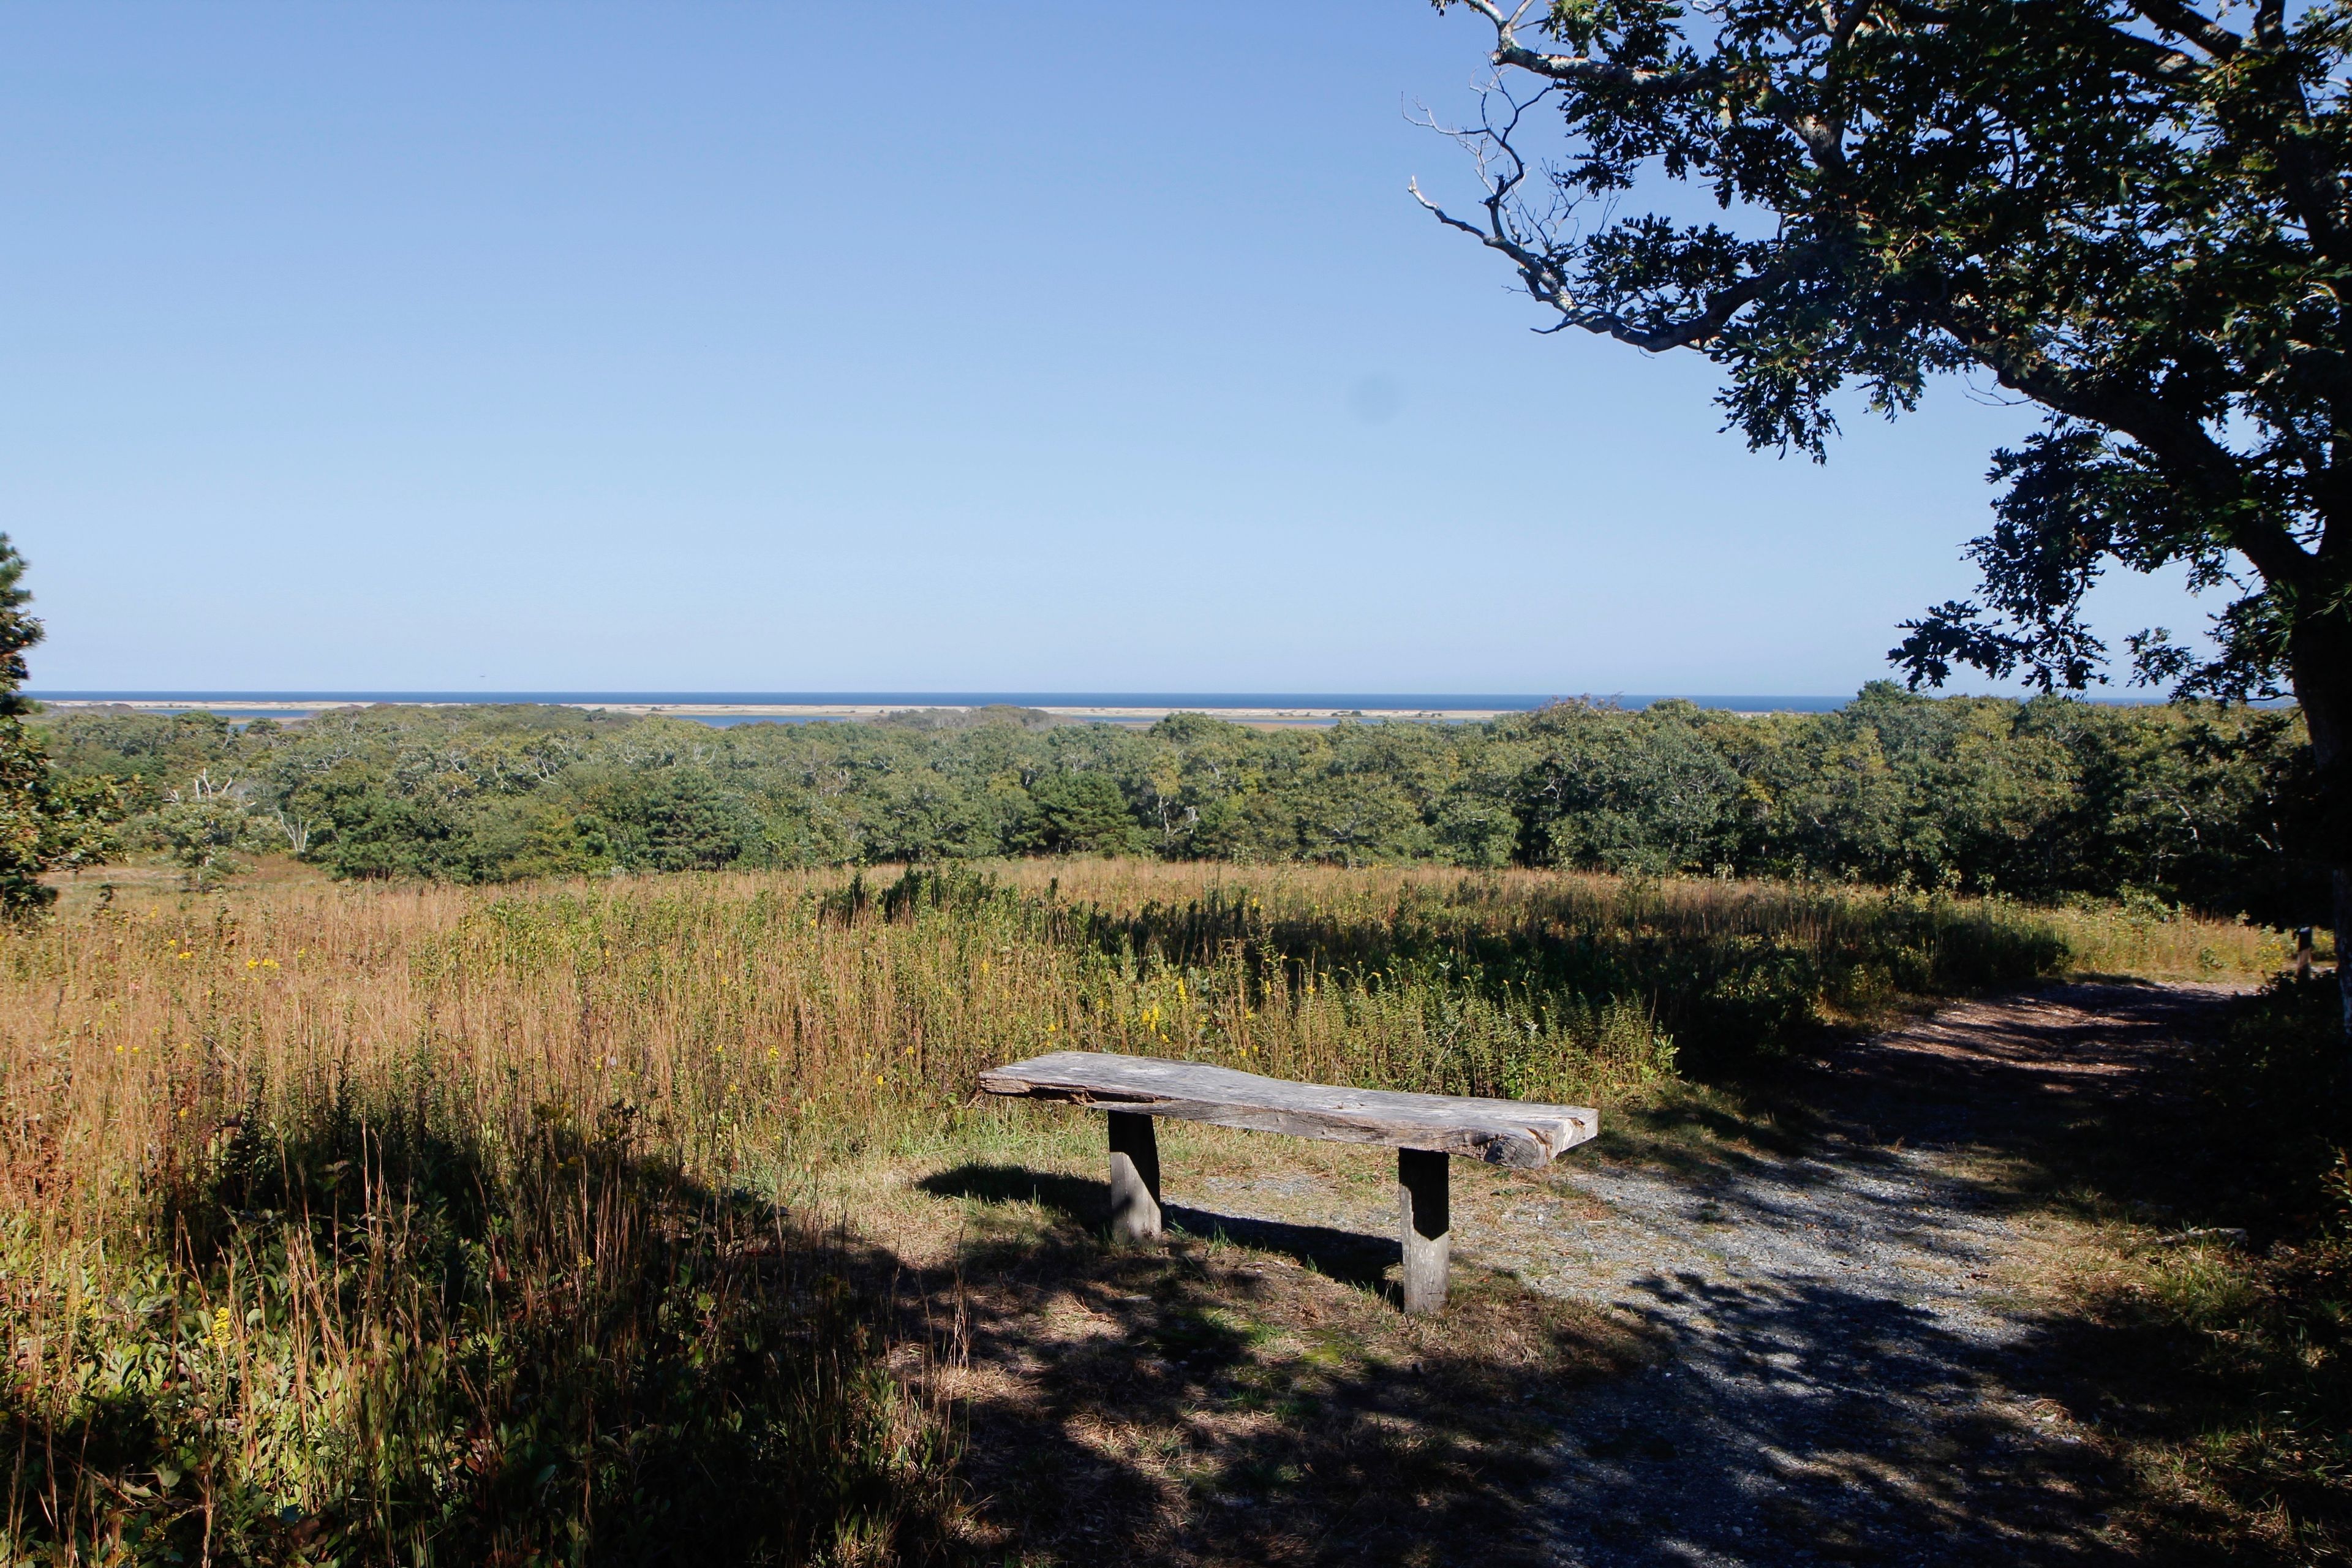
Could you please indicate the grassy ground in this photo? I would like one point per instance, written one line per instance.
(1246, 1393)
(2210, 1322)
(601, 1222)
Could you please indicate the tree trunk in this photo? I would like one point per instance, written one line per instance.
(2323, 685)
(2343, 943)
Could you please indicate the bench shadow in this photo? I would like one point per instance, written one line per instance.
(1349, 1257)
(1244, 1390)
(1072, 1197)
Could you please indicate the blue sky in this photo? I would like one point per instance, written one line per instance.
(735, 347)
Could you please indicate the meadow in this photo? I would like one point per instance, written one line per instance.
(434, 1224)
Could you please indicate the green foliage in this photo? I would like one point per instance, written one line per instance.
(201, 826)
(2127, 212)
(24, 835)
(202, 836)
(2191, 804)
(2131, 213)
(374, 1333)
(46, 820)
(82, 821)
(1651, 794)
(19, 631)
(1081, 813)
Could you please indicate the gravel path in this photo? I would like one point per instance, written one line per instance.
(1855, 1370)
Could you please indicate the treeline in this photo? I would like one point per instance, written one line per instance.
(2185, 804)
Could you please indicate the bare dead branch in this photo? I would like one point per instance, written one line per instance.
(1582, 69)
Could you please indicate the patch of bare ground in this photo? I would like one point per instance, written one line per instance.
(1245, 1392)
(1847, 1337)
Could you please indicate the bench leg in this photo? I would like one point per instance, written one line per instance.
(1427, 1227)
(1134, 1177)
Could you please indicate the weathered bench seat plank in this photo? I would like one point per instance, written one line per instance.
(1499, 1132)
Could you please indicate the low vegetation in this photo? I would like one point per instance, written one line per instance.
(2215, 1301)
(2197, 805)
(446, 1224)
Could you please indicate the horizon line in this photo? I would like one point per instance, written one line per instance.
(959, 696)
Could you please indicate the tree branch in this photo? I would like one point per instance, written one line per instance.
(2186, 22)
(1581, 71)
(2177, 439)
(1585, 71)
(1547, 281)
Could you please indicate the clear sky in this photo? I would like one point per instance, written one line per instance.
(772, 347)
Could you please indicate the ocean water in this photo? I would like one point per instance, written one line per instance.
(1125, 707)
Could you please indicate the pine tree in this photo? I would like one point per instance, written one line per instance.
(28, 845)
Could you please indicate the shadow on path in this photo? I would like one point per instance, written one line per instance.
(1830, 1348)
(1861, 1370)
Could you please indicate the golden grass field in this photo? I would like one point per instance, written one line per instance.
(437, 1221)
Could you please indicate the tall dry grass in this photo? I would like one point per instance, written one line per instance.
(735, 1019)
(739, 1020)
(399, 1225)
(1725, 970)
(2140, 936)
(405, 1216)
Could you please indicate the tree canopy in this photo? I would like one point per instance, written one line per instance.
(2042, 799)
(2130, 212)
(46, 819)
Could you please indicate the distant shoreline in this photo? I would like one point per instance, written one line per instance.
(1134, 709)
(1258, 710)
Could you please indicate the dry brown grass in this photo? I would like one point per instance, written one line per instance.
(2150, 942)
(813, 1039)
(757, 1023)
(611, 1063)
(1245, 1392)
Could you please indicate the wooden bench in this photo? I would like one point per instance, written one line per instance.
(1423, 1128)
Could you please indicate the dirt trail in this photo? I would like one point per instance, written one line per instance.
(1857, 1367)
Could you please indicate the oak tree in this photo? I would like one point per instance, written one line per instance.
(2132, 213)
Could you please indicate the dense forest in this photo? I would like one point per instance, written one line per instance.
(2185, 804)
